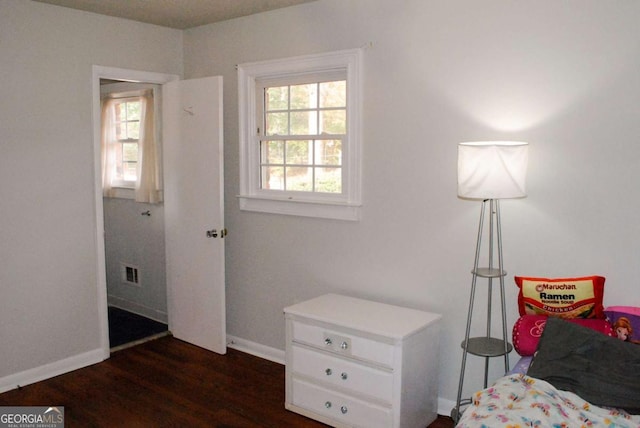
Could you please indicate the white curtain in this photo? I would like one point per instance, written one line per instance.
(148, 188)
(108, 150)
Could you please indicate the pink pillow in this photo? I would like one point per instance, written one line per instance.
(528, 329)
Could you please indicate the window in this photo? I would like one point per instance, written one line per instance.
(299, 136)
(303, 127)
(131, 159)
(127, 133)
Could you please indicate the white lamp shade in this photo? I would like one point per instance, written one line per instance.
(492, 169)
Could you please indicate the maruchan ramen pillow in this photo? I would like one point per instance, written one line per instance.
(528, 329)
(561, 297)
(625, 321)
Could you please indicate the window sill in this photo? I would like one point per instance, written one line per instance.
(122, 193)
(318, 209)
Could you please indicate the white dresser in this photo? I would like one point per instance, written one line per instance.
(356, 363)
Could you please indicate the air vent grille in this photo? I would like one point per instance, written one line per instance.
(130, 274)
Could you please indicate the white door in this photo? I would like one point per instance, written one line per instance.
(193, 195)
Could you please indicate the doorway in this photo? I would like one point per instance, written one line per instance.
(133, 231)
(127, 232)
(192, 145)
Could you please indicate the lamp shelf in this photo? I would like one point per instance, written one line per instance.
(488, 272)
(487, 346)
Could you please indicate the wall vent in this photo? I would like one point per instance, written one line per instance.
(130, 274)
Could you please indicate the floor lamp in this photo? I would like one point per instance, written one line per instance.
(489, 171)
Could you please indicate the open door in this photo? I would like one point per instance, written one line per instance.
(194, 211)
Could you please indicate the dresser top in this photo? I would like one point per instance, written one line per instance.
(378, 318)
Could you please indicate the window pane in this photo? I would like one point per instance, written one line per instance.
(133, 110)
(333, 94)
(272, 177)
(277, 124)
(304, 123)
(129, 171)
(329, 180)
(333, 121)
(130, 152)
(272, 152)
(300, 179)
(329, 152)
(277, 98)
(304, 96)
(299, 152)
(133, 130)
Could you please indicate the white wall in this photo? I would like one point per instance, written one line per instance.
(48, 268)
(137, 240)
(562, 75)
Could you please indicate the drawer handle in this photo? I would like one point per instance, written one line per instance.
(344, 376)
(328, 341)
(344, 345)
(344, 410)
(327, 404)
(328, 372)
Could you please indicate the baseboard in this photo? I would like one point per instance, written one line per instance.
(445, 406)
(253, 348)
(50, 370)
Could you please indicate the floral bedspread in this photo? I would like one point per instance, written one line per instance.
(521, 401)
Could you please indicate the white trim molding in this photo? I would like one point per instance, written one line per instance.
(50, 370)
(344, 206)
(255, 349)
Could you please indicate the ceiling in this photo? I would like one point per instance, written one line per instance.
(180, 14)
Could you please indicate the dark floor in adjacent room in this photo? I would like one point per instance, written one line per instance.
(127, 327)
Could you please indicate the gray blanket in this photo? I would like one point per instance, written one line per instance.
(603, 370)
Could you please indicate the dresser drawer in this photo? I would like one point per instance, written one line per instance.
(340, 407)
(354, 377)
(343, 344)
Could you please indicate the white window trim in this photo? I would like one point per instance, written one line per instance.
(346, 206)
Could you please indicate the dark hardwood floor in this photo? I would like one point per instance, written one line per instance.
(167, 383)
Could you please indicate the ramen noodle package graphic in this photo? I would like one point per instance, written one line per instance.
(561, 297)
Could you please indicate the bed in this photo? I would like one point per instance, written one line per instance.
(519, 400)
(576, 376)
